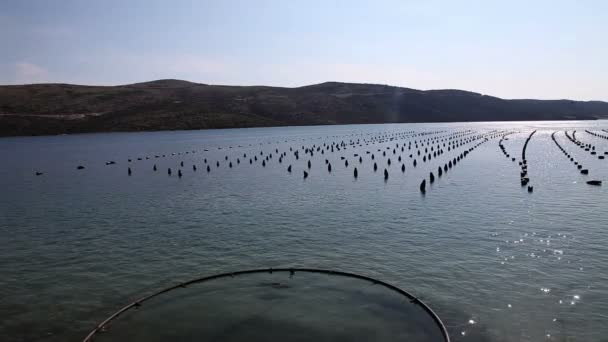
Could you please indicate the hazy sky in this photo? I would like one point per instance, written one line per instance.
(511, 49)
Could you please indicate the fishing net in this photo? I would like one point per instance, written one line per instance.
(278, 305)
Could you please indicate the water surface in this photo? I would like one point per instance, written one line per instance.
(495, 262)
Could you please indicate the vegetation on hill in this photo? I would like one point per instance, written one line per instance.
(174, 104)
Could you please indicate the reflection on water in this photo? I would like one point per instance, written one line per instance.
(495, 262)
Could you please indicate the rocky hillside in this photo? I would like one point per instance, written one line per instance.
(173, 104)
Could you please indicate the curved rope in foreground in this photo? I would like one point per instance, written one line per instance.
(292, 271)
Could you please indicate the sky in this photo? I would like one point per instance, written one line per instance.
(511, 49)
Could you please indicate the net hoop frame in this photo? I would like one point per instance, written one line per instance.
(137, 303)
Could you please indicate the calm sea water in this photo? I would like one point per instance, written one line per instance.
(495, 262)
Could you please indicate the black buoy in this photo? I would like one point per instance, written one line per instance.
(129, 171)
(530, 188)
(169, 171)
(402, 167)
(423, 186)
(309, 164)
(432, 177)
(38, 173)
(154, 167)
(305, 174)
(385, 174)
(80, 167)
(356, 173)
(346, 163)
(329, 167)
(179, 173)
(289, 169)
(375, 167)
(439, 171)
(194, 167)
(181, 164)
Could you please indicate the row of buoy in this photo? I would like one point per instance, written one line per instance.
(572, 139)
(410, 133)
(570, 157)
(503, 148)
(375, 165)
(451, 163)
(597, 135)
(591, 148)
(384, 136)
(309, 150)
(381, 137)
(342, 144)
(524, 164)
(587, 147)
(355, 170)
(454, 139)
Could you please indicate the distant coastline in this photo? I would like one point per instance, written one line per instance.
(52, 109)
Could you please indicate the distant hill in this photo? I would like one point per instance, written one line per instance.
(40, 109)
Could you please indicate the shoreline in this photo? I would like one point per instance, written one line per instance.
(278, 126)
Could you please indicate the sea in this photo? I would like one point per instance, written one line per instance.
(91, 222)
